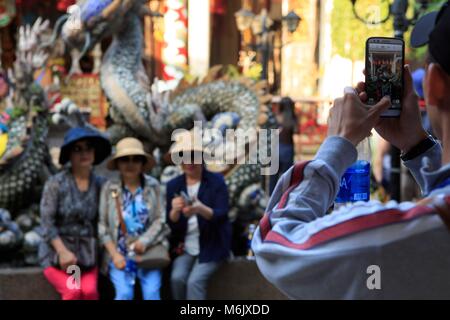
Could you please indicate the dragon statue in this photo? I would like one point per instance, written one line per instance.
(139, 109)
(25, 161)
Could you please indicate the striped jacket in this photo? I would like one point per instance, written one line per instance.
(368, 250)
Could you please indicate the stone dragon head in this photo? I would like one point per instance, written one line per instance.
(89, 21)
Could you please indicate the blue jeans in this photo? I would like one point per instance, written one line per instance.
(150, 283)
(189, 278)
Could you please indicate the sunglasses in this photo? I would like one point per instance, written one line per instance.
(80, 149)
(132, 159)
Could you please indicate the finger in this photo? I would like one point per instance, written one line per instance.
(407, 76)
(408, 81)
(376, 110)
(350, 90)
(363, 96)
(360, 87)
(364, 72)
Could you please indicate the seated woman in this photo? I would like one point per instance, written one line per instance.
(69, 208)
(197, 209)
(138, 199)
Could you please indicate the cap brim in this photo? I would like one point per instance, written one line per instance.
(421, 32)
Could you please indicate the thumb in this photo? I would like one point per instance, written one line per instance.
(408, 80)
(376, 110)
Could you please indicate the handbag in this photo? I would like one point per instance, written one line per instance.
(156, 256)
(84, 248)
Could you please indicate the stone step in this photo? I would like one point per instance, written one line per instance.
(238, 279)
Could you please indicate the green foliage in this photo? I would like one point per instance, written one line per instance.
(232, 71)
(349, 34)
(17, 112)
(254, 72)
(37, 109)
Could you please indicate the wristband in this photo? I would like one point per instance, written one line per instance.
(419, 148)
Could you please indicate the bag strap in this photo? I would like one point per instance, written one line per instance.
(158, 204)
(115, 195)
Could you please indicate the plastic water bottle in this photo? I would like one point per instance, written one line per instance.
(130, 268)
(251, 231)
(355, 183)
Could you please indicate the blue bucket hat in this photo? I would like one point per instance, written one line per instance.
(101, 144)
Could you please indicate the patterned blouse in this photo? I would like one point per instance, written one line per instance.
(135, 214)
(65, 210)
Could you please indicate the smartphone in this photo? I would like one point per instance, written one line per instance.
(188, 200)
(384, 72)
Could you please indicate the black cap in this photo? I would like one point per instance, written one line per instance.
(434, 29)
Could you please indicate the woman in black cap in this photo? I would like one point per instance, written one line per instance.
(69, 209)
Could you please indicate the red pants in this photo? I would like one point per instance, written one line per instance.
(88, 284)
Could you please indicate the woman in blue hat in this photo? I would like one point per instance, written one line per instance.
(69, 210)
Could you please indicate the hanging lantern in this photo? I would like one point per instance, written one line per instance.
(291, 21)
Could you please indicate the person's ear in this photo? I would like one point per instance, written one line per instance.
(436, 83)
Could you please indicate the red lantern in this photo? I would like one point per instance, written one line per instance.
(218, 7)
(64, 4)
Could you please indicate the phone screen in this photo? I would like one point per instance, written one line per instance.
(384, 72)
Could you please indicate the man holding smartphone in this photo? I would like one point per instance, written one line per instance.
(369, 250)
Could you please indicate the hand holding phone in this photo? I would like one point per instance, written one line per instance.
(352, 119)
(187, 200)
(384, 72)
(407, 130)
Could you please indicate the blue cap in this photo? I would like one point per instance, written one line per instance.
(418, 81)
(101, 144)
